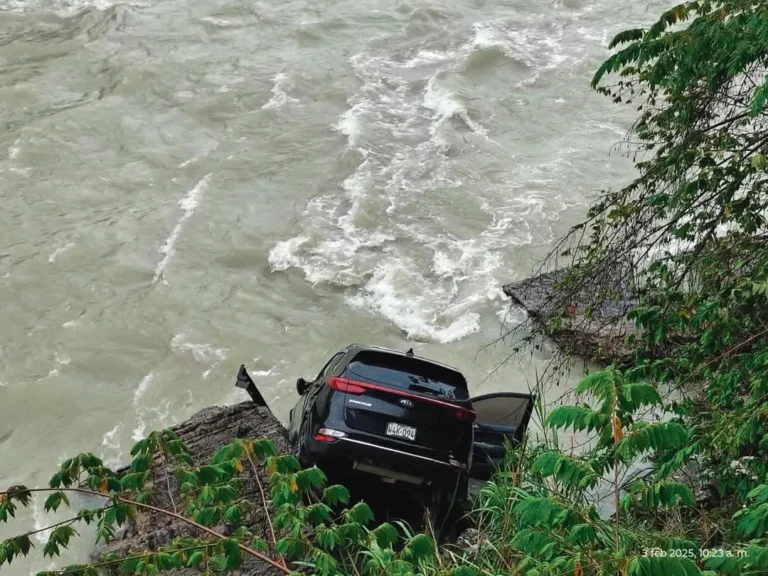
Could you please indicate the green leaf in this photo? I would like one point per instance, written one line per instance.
(318, 513)
(572, 471)
(259, 544)
(141, 463)
(133, 481)
(51, 549)
(758, 161)
(419, 548)
(263, 448)
(536, 543)
(578, 418)
(290, 548)
(20, 494)
(385, 535)
(130, 564)
(311, 478)
(664, 494)
(210, 474)
(758, 99)
(233, 554)
(625, 37)
(195, 559)
(326, 537)
(324, 564)
(360, 513)
(540, 511)
(753, 522)
(54, 500)
(233, 515)
(644, 437)
(333, 495)
(637, 395)
(598, 383)
(285, 464)
(121, 513)
(759, 494)
(582, 535)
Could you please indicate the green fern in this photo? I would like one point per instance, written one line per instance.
(571, 471)
(658, 436)
(578, 418)
(665, 494)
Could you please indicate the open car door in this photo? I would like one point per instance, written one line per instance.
(244, 381)
(501, 417)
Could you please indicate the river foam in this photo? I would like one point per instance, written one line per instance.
(281, 88)
(188, 204)
(407, 121)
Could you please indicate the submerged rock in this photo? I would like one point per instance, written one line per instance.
(600, 337)
(205, 433)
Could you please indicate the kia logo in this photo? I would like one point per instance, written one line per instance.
(405, 403)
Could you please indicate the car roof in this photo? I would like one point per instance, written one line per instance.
(373, 348)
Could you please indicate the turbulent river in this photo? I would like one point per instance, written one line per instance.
(188, 186)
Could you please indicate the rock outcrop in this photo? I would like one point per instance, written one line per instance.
(204, 433)
(599, 337)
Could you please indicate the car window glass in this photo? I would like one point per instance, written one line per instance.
(410, 374)
(329, 366)
(501, 409)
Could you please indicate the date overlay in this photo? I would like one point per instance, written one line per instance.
(702, 553)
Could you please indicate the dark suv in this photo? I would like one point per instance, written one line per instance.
(403, 419)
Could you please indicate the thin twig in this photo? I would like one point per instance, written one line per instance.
(263, 500)
(167, 480)
(52, 526)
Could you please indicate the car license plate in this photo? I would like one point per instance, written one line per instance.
(401, 431)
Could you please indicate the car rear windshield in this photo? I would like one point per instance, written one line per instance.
(409, 374)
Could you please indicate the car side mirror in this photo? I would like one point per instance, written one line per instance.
(301, 386)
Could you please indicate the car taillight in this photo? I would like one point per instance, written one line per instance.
(346, 385)
(328, 435)
(464, 415)
(324, 438)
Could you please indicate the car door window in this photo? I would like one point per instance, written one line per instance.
(504, 409)
(501, 418)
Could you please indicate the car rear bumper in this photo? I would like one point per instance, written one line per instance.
(394, 453)
(358, 452)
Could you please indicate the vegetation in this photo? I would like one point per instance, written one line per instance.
(536, 518)
(315, 531)
(688, 237)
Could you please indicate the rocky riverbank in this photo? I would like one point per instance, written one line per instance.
(600, 336)
(204, 433)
